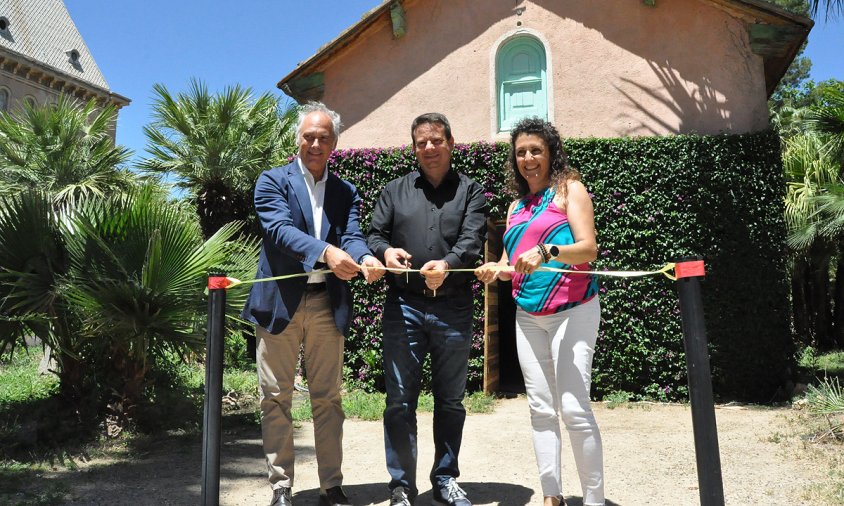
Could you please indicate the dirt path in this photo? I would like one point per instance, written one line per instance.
(649, 459)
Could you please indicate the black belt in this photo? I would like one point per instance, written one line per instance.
(439, 292)
(315, 287)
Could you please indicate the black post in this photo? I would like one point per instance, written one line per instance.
(213, 414)
(711, 488)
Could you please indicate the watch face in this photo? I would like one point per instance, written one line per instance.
(555, 251)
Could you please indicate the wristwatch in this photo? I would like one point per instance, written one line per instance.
(554, 251)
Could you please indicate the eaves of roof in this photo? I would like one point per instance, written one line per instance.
(339, 42)
(115, 98)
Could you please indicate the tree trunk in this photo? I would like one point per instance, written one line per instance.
(819, 298)
(799, 302)
(838, 301)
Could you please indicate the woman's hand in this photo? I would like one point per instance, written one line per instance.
(488, 272)
(528, 261)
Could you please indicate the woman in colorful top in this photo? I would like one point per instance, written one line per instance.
(557, 318)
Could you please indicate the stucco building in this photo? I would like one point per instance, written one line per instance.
(594, 68)
(602, 68)
(42, 55)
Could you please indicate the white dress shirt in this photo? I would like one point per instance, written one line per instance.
(316, 194)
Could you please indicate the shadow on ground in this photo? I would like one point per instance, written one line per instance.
(503, 494)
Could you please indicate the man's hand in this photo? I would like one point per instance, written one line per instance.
(372, 269)
(434, 273)
(487, 273)
(397, 258)
(340, 263)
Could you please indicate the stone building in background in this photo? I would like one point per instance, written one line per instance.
(42, 55)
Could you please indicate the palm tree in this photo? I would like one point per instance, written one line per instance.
(827, 119)
(138, 270)
(216, 146)
(831, 8)
(809, 176)
(110, 283)
(65, 149)
(33, 259)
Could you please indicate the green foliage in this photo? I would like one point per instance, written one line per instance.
(479, 402)
(826, 118)
(216, 145)
(28, 486)
(20, 381)
(657, 199)
(617, 398)
(808, 358)
(370, 405)
(65, 149)
(830, 8)
(111, 283)
(831, 363)
(663, 199)
(301, 411)
(827, 398)
(363, 405)
(240, 382)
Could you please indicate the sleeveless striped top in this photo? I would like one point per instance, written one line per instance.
(537, 219)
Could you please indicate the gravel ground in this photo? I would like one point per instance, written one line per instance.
(649, 459)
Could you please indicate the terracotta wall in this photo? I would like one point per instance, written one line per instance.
(617, 68)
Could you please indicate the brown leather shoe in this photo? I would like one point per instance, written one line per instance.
(334, 496)
(282, 497)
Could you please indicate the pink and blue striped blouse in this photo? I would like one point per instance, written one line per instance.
(536, 219)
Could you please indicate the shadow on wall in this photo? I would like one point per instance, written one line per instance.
(697, 106)
(683, 44)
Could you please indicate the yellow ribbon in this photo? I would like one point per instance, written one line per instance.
(664, 270)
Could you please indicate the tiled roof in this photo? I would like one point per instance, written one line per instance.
(42, 30)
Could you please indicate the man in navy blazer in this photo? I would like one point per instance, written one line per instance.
(309, 219)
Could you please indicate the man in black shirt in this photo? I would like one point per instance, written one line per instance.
(432, 219)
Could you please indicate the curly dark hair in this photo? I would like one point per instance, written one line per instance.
(560, 169)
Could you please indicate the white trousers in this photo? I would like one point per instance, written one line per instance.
(555, 353)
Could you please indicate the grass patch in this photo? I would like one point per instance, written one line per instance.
(19, 378)
(479, 402)
(822, 425)
(832, 363)
(370, 406)
(364, 405)
(235, 381)
(617, 398)
(23, 485)
(822, 364)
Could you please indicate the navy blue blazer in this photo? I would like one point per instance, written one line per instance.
(289, 245)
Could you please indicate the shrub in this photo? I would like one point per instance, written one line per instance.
(657, 199)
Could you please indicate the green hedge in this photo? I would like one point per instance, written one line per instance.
(656, 199)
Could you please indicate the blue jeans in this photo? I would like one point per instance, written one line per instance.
(415, 326)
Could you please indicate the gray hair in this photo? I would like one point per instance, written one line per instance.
(312, 106)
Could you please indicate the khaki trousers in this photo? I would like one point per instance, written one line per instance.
(277, 357)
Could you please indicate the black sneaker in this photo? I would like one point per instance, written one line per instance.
(449, 493)
(400, 496)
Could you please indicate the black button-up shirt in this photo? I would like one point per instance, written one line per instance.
(443, 223)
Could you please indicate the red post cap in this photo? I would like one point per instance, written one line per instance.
(689, 269)
(218, 282)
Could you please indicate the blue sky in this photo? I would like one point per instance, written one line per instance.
(252, 42)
